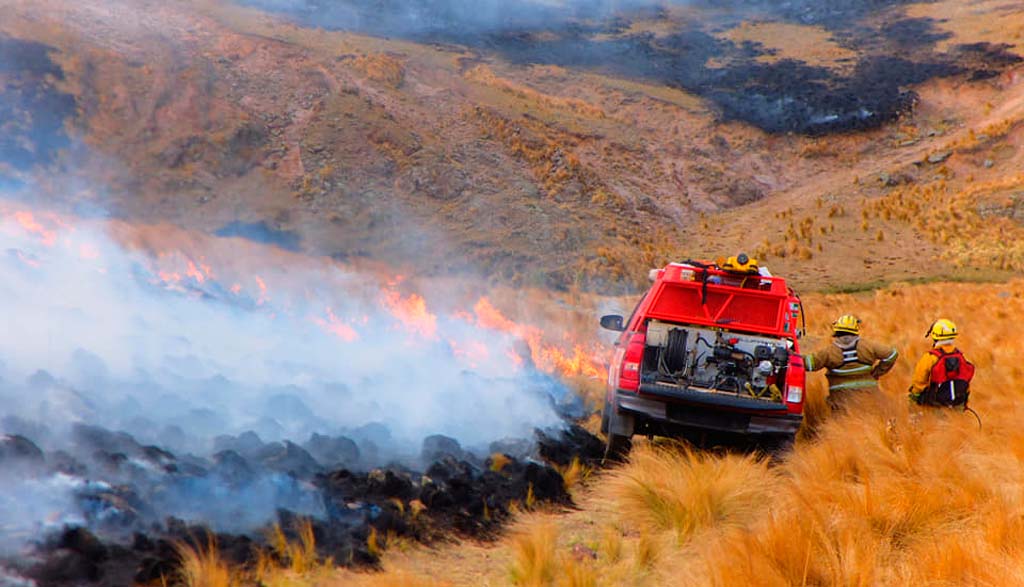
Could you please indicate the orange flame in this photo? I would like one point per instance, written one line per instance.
(548, 357)
(472, 353)
(412, 312)
(337, 327)
(31, 225)
(263, 290)
(30, 261)
(489, 317)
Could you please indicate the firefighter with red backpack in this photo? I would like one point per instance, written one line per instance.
(943, 375)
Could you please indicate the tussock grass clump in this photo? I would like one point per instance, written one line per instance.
(202, 566)
(538, 561)
(974, 222)
(285, 563)
(673, 488)
(887, 495)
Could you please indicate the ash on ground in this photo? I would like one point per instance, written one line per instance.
(119, 496)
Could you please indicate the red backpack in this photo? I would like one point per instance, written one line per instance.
(950, 379)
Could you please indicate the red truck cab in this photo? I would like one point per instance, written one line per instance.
(710, 354)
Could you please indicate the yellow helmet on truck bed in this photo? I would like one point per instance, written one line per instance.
(739, 264)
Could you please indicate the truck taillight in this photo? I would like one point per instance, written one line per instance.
(632, 355)
(794, 394)
(795, 379)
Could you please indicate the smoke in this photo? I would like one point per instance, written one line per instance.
(444, 17)
(744, 80)
(200, 360)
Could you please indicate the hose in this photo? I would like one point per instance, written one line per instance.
(976, 416)
(675, 351)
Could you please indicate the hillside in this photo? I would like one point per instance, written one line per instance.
(531, 159)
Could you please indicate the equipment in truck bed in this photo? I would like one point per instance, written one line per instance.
(711, 350)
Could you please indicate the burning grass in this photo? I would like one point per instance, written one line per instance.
(885, 495)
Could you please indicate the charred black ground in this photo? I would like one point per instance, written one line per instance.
(893, 51)
(122, 542)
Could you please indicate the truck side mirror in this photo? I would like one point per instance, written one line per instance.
(612, 322)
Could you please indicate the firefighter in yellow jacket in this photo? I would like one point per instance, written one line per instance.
(853, 364)
(943, 375)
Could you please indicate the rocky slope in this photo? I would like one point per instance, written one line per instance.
(574, 149)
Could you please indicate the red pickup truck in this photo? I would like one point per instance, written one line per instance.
(710, 354)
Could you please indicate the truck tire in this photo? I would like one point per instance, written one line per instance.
(777, 448)
(617, 446)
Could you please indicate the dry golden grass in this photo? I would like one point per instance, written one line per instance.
(886, 494)
(951, 217)
(890, 495)
(483, 74)
(574, 473)
(203, 567)
(287, 563)
(380, 67)
(673, 488)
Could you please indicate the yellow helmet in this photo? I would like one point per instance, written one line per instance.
(846, 324)
(942, 329)
(741, 263)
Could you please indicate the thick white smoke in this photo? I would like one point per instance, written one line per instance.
(122, 347)
(94, 334)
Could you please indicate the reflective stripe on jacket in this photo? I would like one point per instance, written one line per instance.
(856, 367)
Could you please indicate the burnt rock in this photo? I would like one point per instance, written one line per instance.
(288, 406)
(333, 450)
(247, 443)
(101, 440)
(161, 559)
(438, 446)
(232, 468)
(235, 549)
(190, 465)
(546, 482)
(342, 483)
(238, 549)
(386, 484)
(16, 450)
(15, 425)
(142, 543)
(75, 556)
(157, 455)
(562, 446)
(65, 567)
(153, 569)
(518, 448)
(62, 462)
(110, 462)
(84, 543)
(110, 506)
(449, 468)
(288, 457)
